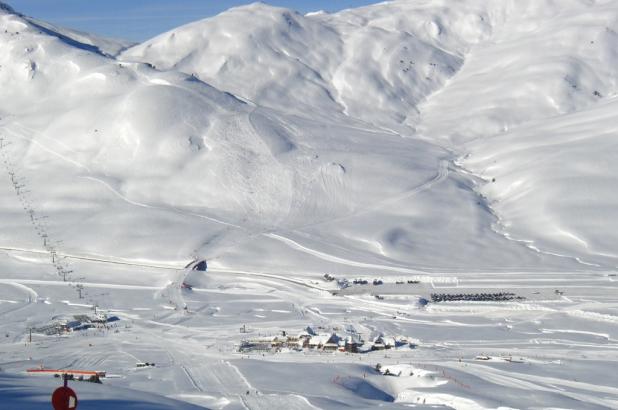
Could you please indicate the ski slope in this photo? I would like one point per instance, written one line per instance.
(438, 147)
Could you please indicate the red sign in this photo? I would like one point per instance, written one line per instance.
(64, 398)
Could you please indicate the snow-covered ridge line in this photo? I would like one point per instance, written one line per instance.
(6, 7)
(103, 46)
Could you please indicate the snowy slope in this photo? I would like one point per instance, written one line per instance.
(555, 182)
(457, 147)
(452, 72)
(137, 153)
(92, 123)
(543, 59)
(26, 394)
(542, 125)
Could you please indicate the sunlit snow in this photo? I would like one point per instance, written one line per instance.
(434, 177)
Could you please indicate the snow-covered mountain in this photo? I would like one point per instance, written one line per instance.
(372, 64)
(303, 143)
(464, 144)
(141, 150)
(448, 72)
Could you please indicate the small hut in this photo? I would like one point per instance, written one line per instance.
(382, 342)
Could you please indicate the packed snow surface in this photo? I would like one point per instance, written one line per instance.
(405, 149)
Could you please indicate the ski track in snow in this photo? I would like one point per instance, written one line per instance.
(102, 259)
(331, 258)
(32, 295)
(159, 207)
(38, 282)
(47, 149)
(441, 175)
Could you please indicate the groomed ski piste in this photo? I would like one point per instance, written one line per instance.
(434, 179)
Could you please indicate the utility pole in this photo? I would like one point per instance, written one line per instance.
(65, 273)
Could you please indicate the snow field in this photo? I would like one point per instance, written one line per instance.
(469, 145)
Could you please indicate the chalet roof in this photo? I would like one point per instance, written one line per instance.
(385, 340)
(323, 339)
